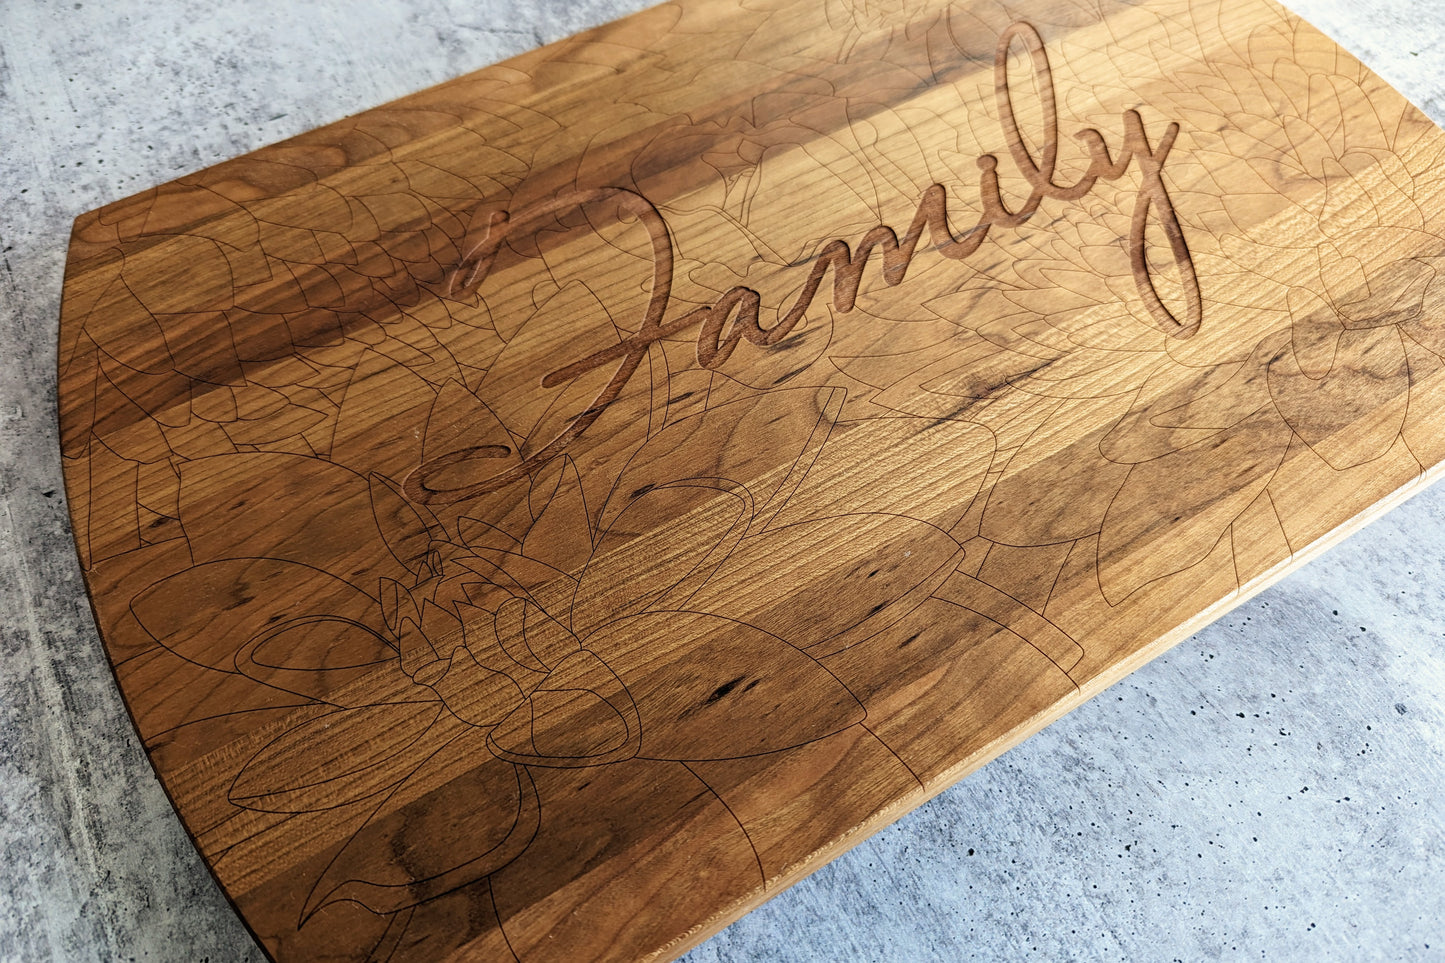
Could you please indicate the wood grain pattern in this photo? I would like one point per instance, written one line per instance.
(545, 516)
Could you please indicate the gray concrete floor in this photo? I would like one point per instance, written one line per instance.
(1273, 788)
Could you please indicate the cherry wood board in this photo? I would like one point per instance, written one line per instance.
(543, 517)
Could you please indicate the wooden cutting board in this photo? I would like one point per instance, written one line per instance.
(546, 516)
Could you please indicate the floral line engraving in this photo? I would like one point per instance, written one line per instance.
(430, 658)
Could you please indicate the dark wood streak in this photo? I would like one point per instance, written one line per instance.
(735, 316)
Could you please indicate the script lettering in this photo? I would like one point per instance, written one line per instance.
(735, 317)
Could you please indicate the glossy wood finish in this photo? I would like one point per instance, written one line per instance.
(544, 516)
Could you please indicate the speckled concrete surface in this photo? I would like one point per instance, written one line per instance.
(1273, 788)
